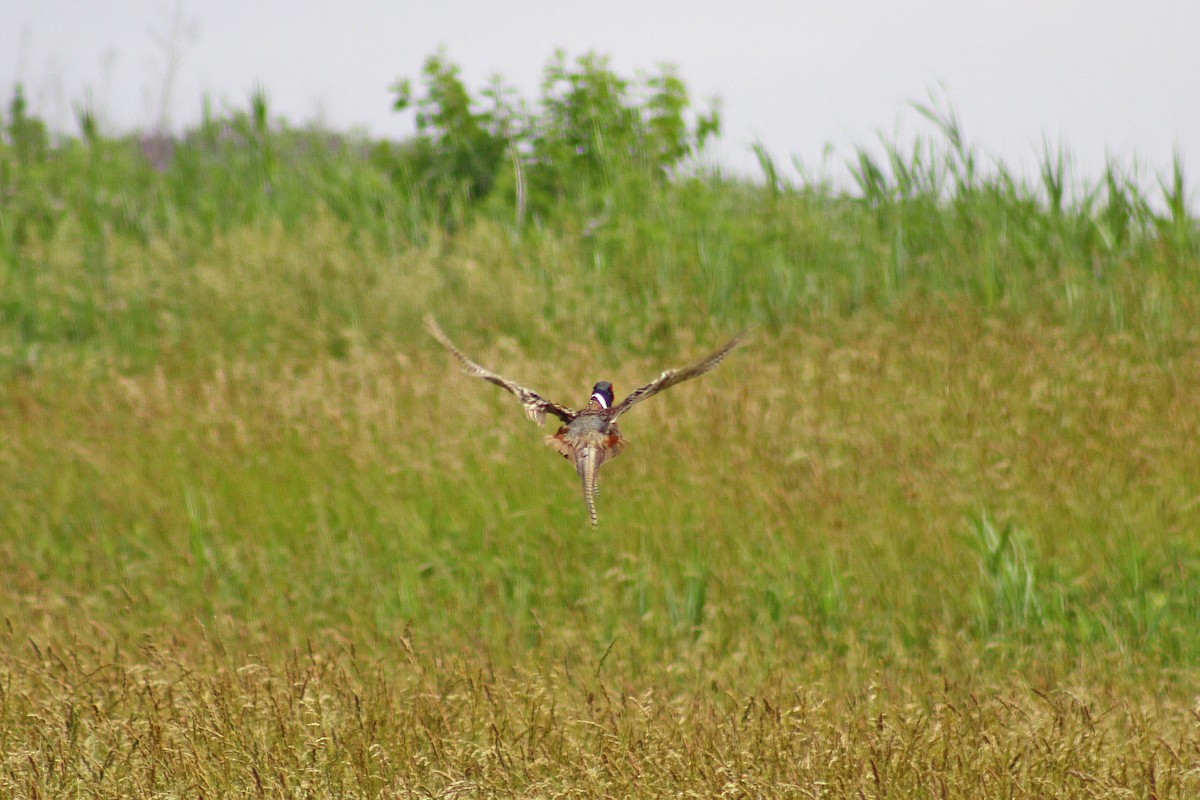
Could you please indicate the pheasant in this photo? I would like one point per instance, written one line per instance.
(589, 436)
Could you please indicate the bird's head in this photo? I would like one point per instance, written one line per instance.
(602, 394)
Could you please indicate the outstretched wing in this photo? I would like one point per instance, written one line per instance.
(674, 376)
(536, 406)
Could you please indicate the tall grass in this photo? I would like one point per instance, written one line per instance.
(368, 485)
(346, 726)
(933, 218)
(928, 533)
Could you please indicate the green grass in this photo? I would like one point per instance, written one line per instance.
(931, 532)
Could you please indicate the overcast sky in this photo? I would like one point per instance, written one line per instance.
(1100, 77)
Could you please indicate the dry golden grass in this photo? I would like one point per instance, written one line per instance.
(187, 720)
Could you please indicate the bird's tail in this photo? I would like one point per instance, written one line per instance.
(587, 462)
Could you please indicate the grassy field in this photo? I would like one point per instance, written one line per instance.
(932, 532)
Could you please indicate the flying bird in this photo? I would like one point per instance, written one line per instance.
(590, 436)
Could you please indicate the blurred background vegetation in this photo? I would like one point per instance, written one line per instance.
(598, 194)
(175, 310)
(955, 460)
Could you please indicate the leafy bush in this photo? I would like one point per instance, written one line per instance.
(589, 136)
